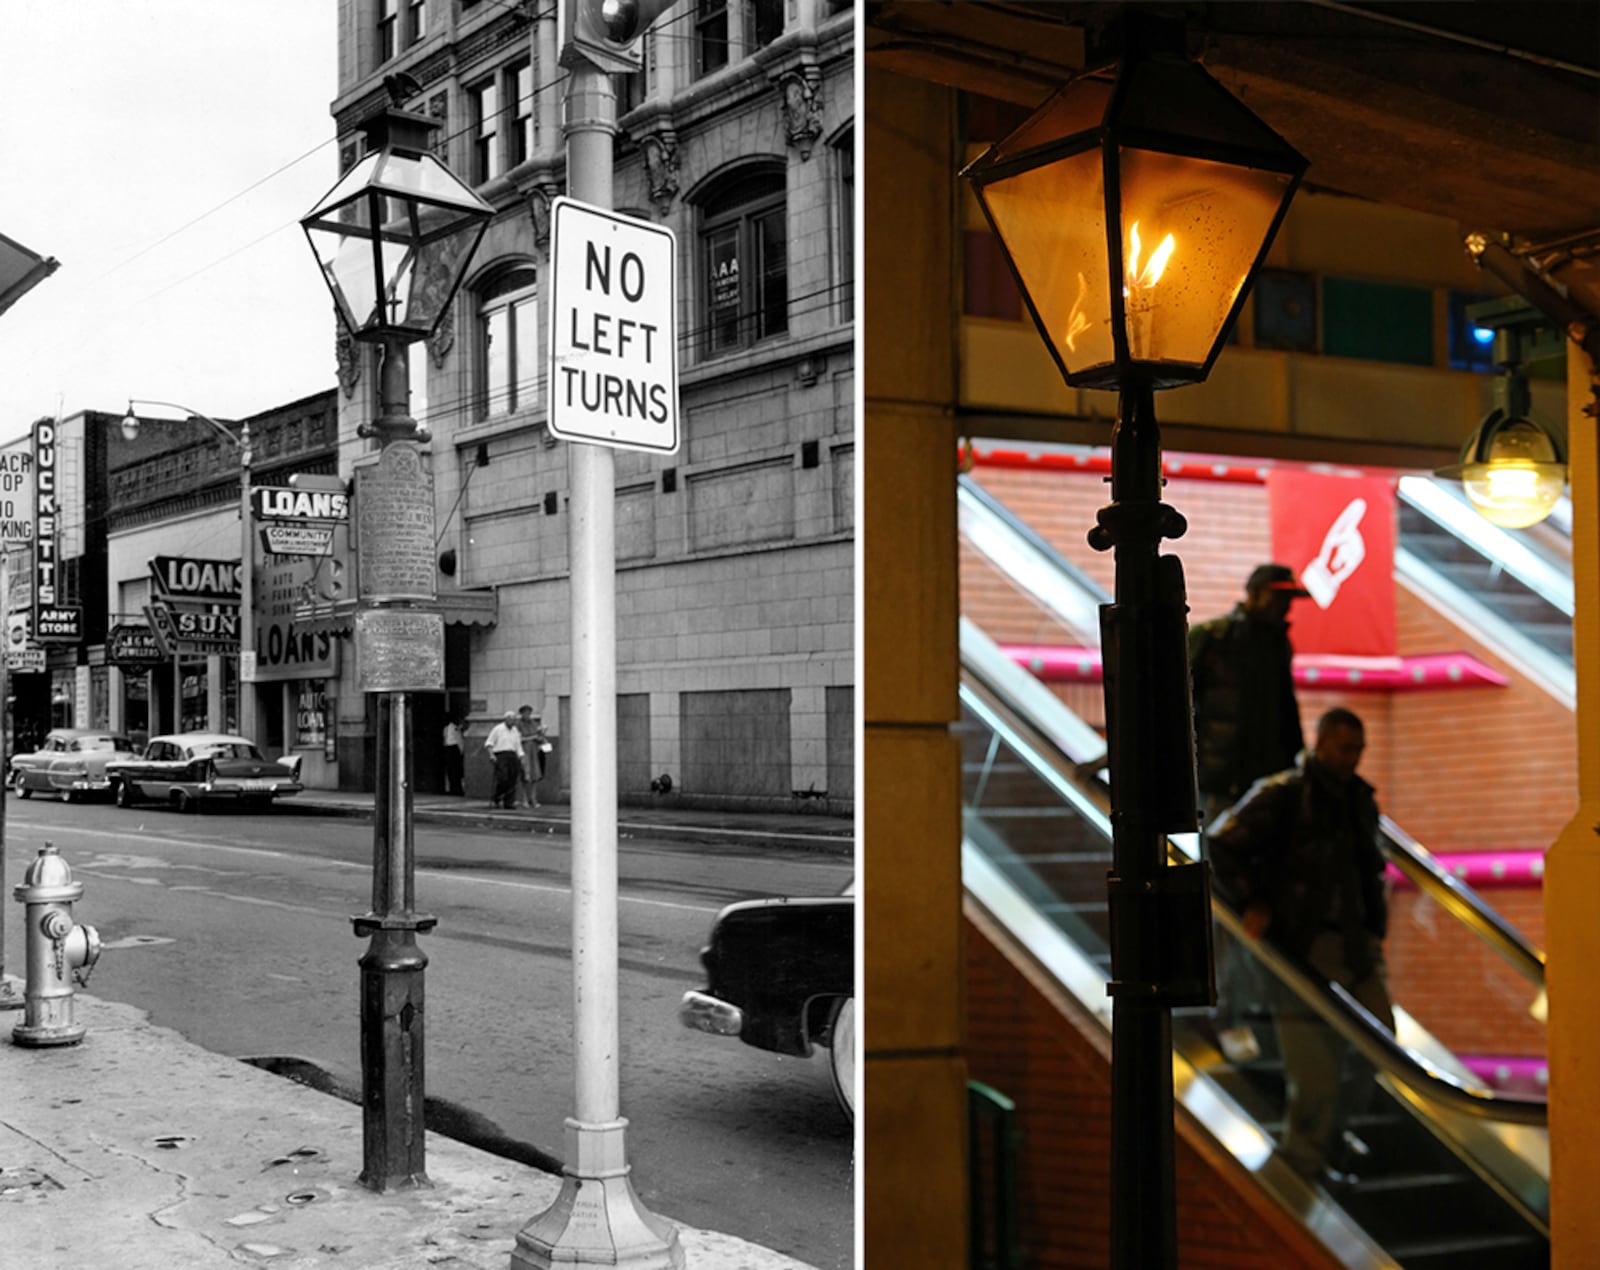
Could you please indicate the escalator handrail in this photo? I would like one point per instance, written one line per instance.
(1451, 512)
(994, 508)
(1370, 1038)
(1423, 869)
(1376, 1043)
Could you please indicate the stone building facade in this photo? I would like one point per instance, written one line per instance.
(735, 556)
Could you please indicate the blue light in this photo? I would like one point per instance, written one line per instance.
(1483, 335)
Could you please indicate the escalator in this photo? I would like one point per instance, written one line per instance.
(1450, 1174)
(1510, 588)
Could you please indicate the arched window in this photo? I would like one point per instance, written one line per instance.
(508, 342)
(744, 263)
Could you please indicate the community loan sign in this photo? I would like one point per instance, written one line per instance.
(613, 329)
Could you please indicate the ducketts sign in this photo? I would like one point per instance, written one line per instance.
(44, 513)
(52, 622)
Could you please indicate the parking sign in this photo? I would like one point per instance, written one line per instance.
(613, 329)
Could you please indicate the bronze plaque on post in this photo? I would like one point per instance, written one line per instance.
(394, 523)
(399, 650)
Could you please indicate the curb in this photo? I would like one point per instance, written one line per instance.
(823, 843)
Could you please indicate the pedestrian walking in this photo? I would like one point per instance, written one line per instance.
(504, 745)
(1299, 856)
(1246, 726)
(454, 762)
(535, 745)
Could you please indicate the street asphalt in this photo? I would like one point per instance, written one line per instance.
(139, 1149)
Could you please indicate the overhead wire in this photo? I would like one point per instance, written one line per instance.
(659, 31)
(687, 340)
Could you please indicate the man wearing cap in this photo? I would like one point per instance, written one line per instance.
(1246, 718)
(1246, 726)
(505, 748)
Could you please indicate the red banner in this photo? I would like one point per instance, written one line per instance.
(1337, 533)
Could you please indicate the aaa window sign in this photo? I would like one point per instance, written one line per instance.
(613, 329)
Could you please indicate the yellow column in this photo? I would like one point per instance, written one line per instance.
(1572, 880)
(914, 1165)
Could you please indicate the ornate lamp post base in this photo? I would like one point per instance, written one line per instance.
(597, 1219)
(392, 1048)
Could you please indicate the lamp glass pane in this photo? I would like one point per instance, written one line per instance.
(423, 176)
(1079, 107)
(1051, 220)
(1192, 230)
(346, 260)
(428, 277)
(349, 185)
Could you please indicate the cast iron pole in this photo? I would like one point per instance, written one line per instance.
(393, 1124)
(1160, 953)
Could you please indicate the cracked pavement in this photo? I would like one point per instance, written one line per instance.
(140, 1144)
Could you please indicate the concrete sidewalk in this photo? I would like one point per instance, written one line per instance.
(139, 1150)
(799, 830)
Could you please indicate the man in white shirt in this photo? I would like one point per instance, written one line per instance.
(505, 748)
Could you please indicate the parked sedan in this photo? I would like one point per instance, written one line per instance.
(71, 762)
(781, 976)
(190, 769)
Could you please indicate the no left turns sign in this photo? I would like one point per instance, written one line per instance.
(613, 329)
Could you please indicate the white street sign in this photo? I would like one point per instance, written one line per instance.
(613, 329)
(16, 498)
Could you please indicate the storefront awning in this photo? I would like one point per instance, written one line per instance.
(460, 608)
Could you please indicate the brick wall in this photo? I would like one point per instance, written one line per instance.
(1462, 769)
(1038, 1050)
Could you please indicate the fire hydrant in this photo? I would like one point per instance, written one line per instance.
(58, 950)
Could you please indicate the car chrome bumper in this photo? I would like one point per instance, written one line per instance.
(706, 1013)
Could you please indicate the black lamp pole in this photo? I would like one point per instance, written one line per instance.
(1160, 921)
(393, 239)
(393, 1123)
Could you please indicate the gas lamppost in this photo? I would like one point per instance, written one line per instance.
(394, 237)
(131, 423)
(1135, 207)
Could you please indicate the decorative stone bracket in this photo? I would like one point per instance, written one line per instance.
(347, 356)
(800, 91)
(660, 150)
(539, 199)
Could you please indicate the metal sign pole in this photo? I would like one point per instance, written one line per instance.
(597, 1217)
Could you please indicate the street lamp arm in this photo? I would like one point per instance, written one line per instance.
(240, 440)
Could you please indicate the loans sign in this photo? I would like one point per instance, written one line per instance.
(613, 329)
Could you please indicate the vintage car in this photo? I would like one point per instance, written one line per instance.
(780, 975)
(190, 769)
(71, 762)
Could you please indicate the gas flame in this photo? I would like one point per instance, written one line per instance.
(1157, 264)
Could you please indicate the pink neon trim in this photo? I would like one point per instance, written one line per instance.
(1068, 664)
(1485, 870)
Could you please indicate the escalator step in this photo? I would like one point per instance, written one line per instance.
(1473, 1252)
(1392, 1183)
